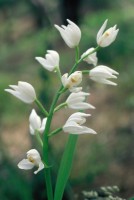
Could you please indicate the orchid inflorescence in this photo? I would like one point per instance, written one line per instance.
(24, 91)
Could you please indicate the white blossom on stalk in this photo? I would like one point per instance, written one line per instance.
(104, 39)
(101, 73)
(71, 82)
(51, 60)
(33, 160)
(75, 101)
(23, 91)
(74, 124)
(35, 123)
(92, 58)
(71, 33)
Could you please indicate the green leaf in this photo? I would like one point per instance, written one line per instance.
(65, 167)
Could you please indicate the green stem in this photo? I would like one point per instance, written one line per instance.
(59, 73)
(45, 146)
(48, 184)
(95, 49)
(45, 141)
(47, 170)
(37, 134)
(64, 89)
(55, 132)
(49, 119)
(67, 159)
(60, 106)
(65, 167)
(85, 71)
(41, 107)
(76, 54)
(81, 59)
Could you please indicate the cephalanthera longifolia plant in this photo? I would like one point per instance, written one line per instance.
(70, 82)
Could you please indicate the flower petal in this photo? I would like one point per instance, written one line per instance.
(25, 164)
(71, 33)
(35, 121)
(43, 125)
(41, 166)
(100, 32)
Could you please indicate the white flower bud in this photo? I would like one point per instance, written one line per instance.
(23, 91)
(33, 160)
(92, 58)
(104, 39)
(102, 73)
(71, 33)
(51, 62)
(75, 101)
(74, 124)
(35, 123)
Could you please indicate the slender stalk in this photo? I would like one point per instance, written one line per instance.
(47, 170)
(37, 134)
(67, 158)
(85, 71)
(45, 147)
(59, 73)
(55, 132)
(41, 107)
(64, 89)
(60, 106)
(81, 59)
(95, 49)
(49, 119)
(76, 54)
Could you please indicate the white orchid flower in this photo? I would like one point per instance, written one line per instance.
(71, 82)
(23, 91)
(101, 73)
(104, 39)
(74, 124)
(51, 61)
(92, 58)
(75, 101)
(35, 123)
(71, 33)
(33, 160)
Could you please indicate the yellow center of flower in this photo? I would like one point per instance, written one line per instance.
(74, 79)
(31, 159)
(107, 34)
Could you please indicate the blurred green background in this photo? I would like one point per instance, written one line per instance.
(26, 31)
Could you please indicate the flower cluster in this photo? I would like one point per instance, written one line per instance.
(71, 34)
